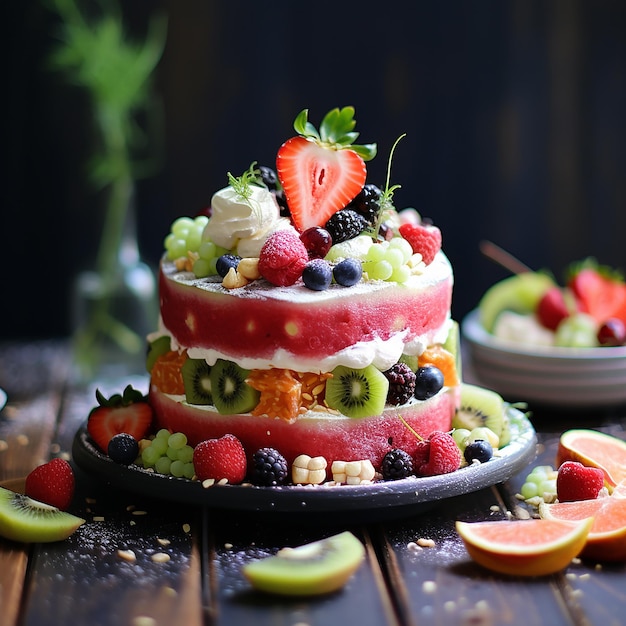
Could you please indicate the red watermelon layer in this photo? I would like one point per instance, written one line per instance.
(258, 320)
(334, 438)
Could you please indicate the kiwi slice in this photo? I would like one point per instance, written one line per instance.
(357, 392)
(27, 520)
(196, 375)
(312, 569)
(411, 360)
(231, 393)
(156, 348)
(479, 407)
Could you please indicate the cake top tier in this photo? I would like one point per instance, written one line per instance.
(313, 219)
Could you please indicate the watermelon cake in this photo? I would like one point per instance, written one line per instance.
(303, 312)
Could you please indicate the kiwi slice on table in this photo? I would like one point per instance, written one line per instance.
(480, 407)
(357, 392)
(231, 393)
(312, 569)
(27, 520)
(156, 348)
(196, 375)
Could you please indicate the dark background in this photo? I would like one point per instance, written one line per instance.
(515, 115)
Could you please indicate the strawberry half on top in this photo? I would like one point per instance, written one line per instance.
(126, 413)
(320, 172)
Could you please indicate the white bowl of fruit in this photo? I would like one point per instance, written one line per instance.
(533, 339)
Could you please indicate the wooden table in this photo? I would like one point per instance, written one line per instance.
(84, 580)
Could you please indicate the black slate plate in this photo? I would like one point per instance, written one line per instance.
(379, 500)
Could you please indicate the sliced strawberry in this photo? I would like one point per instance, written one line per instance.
(322, 172)
(599, 293)
(128, 413)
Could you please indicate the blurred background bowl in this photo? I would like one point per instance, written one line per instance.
(579, 378)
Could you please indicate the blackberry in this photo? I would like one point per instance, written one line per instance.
(269, 468)
(345, 224)
(397, 464)
(367, 203)
(401, 384)
(267, 176)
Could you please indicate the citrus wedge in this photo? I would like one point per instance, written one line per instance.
(534, 547)
(594, 449)
(606, 540)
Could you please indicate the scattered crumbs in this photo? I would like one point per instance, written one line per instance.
(22, 440)
(139, 512)
(90, 500)
(577, 593)
(186, 528)
(426, 543)
(222, 481)
(3, 445)
(584, 576)
(228, 546)
(98, 518)
(521, 513)
(209, 482)
(144, 620)
(160, 557)
(576, 560)
(55, 448)
(130, 508)
(66, 456)
(164, 542)
(598, 567)
(127, 555)
(170, 592)
(508, 514)
(413, 547)
(494, 508)
(449, 606)
(519, 496)
(571, 576)
(429, 586)
(133, 522)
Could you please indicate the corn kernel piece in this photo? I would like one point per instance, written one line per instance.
(248, 267)
(234, 279)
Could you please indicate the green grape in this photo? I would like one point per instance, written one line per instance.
(404, 246)
(163, 433)
(177, 468)
(181, 226)
(376, 252)
(194, 239)
(172, 453)
(207, 250)
(529, 490)
(189, 470)
(380, 270)
(185, 454)
(394, 257)
(178, 248)
(150, 456)
(202, 268)
(547, 486)
(159, 444)
(163, 465)
(400, 274)
(201, 221)
(460, 436)
(177, 440)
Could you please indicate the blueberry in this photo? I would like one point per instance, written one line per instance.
(225, 262)
(317, 275)
(348, 272)
(123, 448)
(428, 382)
(479, 450)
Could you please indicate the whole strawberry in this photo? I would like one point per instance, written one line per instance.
(52, 483)
(220, 458)
(552, 308)
(424, 238)
(437, 455)
(121, 413)
(575, 481)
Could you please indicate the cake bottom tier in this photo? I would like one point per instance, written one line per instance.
(315, 434)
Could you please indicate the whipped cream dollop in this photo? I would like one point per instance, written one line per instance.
(242, 224)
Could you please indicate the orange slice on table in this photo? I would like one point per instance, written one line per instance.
(534, 547)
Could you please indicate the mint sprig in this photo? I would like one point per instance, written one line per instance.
(336, 132)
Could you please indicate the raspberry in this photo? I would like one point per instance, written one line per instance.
(345, 224)
(575, 481)
(282, 258)
(269, 468)
(397, 464)
(367, 203)
(401, 384)
(438, 455)
(424, 238)
(220, 458)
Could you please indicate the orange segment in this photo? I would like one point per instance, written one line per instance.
(607, 538)
(166, 373)
(313, 388)
(280, 393)
(444, 360)
(534, 547)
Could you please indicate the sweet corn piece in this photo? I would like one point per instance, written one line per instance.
(353, 472)
(308, 471)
